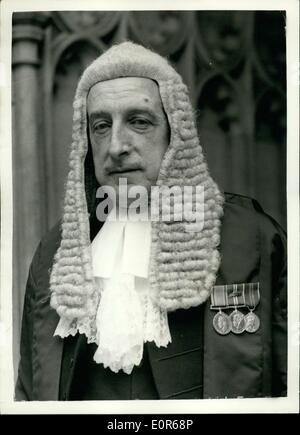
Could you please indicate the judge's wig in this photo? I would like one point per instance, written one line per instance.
(183, 262)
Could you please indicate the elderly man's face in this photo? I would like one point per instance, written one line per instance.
(128, 130)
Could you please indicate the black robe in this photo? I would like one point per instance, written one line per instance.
(199, 363)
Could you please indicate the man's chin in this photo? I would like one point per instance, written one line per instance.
(130, 177)
(128, 182)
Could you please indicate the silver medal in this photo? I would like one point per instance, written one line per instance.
(237, 322)
(252, 322)
(221, 323)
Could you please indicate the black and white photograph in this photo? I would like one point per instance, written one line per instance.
(150, 200)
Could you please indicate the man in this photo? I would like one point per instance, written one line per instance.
(126, 310)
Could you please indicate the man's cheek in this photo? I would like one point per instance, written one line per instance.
(99, 170)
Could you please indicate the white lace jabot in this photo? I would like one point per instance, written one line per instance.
(126, 316)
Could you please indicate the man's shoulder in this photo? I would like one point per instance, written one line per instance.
(42, 262)
(242, 201)
(52, 238)
(246, 212)
(43, 257)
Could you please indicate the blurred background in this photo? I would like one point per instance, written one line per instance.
(233, 63)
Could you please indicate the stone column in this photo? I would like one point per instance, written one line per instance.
(28, 180)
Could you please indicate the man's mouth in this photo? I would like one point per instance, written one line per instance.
(125, 170)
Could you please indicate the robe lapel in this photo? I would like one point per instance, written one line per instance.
(177, 368)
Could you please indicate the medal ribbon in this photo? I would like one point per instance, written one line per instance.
(235, 296)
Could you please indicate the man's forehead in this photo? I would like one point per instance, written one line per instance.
(140, 88)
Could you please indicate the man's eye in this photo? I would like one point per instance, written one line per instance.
(140, 123)
(101, 127)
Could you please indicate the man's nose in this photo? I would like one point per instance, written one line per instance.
(120, 142)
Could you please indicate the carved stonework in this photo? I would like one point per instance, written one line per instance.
(270, 47)
(163, 31)
(219, 97)
(27, 33)
(93, 22)
(222, 37)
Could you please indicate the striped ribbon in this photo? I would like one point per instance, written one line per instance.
(235, 295)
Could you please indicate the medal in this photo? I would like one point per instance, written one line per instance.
(221, 323)
(237, 322)
(234, 296)
(252, 322)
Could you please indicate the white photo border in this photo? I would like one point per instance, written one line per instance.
(289, 404)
